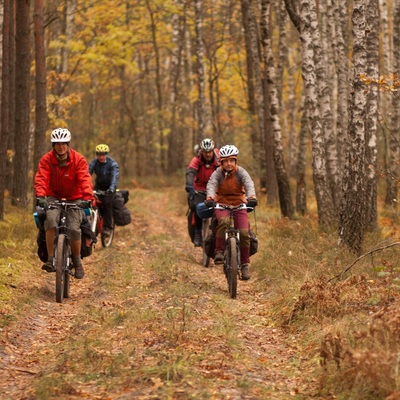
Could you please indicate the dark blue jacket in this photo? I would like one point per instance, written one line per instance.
(107, 173)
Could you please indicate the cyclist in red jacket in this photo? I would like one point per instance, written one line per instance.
(197, 175)
(63, 173)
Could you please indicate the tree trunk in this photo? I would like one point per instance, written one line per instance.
(352, 215)
(372, 21)
(340, 16)
(285, 198)
(11, 118)
(40, 84)
(158, 83)
(5, 104)
(178, 33)
(202, 113)
(301, 193)
(324, 94)
(21, 170)
(322, 190)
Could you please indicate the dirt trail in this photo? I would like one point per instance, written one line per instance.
(29, 346)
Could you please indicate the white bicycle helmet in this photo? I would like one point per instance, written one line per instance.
(228, 151)
(207, 145)
(60, 135)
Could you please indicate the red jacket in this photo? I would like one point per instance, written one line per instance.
(198, 172)
(71, 182)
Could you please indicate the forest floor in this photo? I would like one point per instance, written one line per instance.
(148, 321)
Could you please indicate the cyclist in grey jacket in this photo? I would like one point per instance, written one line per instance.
(231, 185)
(107, 175)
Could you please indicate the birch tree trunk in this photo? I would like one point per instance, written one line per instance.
(392, 137)
(5, 101)
(322, 190)
(20, 184)
(285, 198)
(340, 15)
(372, 41)
(301, 193)
(352, 215)
(395, 118)
(324, 94)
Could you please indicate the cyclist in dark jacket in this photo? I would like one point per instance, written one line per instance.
(107, 175)
(197, 175)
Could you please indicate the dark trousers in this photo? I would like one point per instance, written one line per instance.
(106, 209)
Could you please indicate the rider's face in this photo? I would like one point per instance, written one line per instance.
(208, 155)
(102, 157)
(61, 148)
(228, 164)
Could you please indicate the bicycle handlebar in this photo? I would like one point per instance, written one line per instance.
(242, 206)
(63, 203)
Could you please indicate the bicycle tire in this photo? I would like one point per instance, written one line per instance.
(61, 263)
(106, 240)
(232, 267)
(205, 232)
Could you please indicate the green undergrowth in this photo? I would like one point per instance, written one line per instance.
(17, 260)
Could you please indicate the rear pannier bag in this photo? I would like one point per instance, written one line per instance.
(121, 214)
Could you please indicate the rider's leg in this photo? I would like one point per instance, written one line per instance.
(50, 223)
(74, 223)
(223, 224)
(242, 223)
(107, 210)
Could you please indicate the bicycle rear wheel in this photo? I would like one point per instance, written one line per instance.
(106, 240)
(205, 232)
(61, 264)
(232, 266)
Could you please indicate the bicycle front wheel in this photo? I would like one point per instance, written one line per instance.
(61, 265)
(205, 232)
(232, 266)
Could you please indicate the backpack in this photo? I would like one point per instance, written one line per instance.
(121, 214)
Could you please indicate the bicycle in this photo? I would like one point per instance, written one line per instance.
(232, 267)
(62, 251)
(97, 220)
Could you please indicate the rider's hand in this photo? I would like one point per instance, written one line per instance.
(42, 202)
(110, 191)
(189, 189)
(252, 202)
(210, 203)
(84, 203)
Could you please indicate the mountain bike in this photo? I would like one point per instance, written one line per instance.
(62, 250)
(232, 267)
(97, 220)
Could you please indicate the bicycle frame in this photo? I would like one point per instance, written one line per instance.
(232, 267)
(62, 250)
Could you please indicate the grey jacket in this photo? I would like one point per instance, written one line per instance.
(233, 188)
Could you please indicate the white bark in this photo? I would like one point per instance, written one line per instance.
(322, 191)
